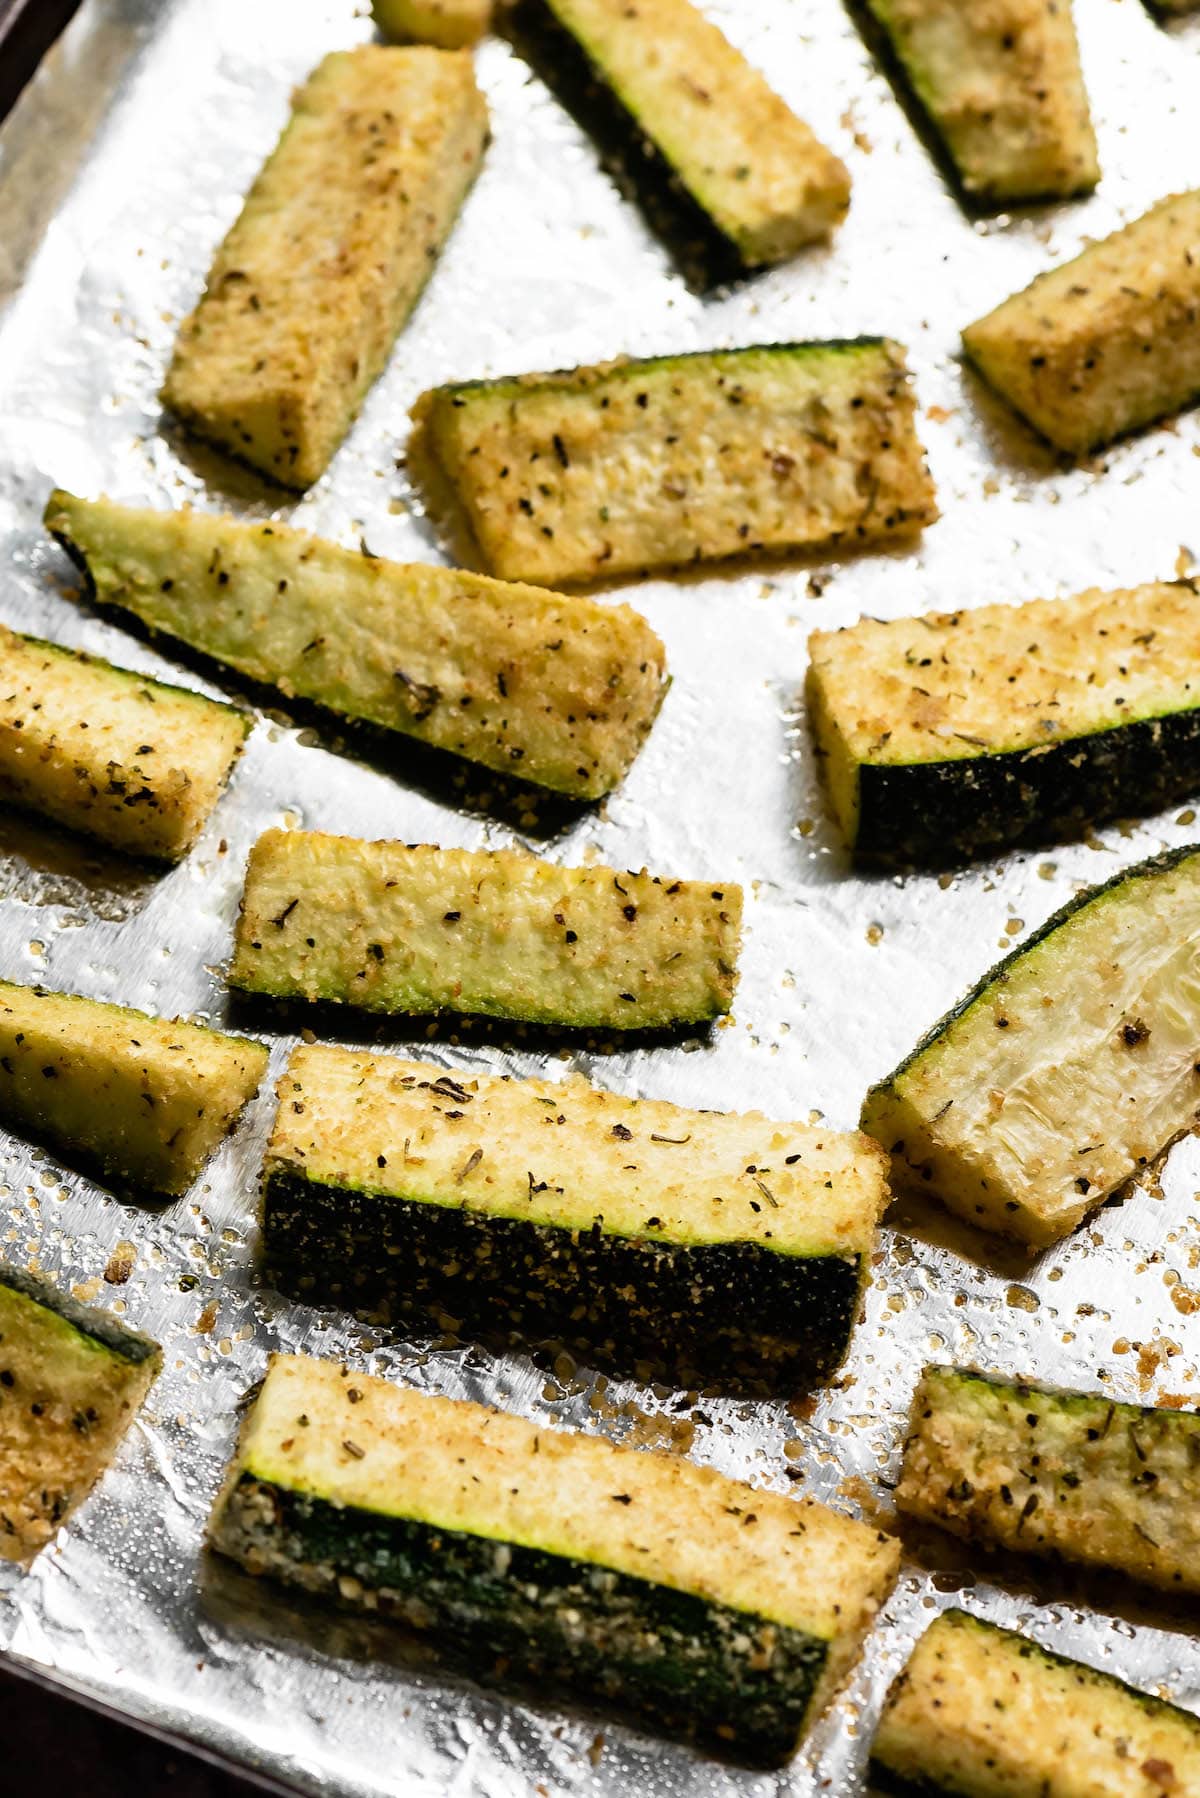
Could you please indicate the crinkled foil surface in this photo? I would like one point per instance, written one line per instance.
(119, 172)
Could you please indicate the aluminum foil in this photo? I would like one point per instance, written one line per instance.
(119, 172)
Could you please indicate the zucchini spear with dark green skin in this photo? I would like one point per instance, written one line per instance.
(632, 466)
(144, 1099)
(71, 1378)
(719, 161)
(1104, 343)
(559, 691)
(632, 1230)
(1040, 1471)
(710, 1607)
(1069, 1068)
(1001, 84)
(128, 759)
(982, 1712)
(949, 735)
(412, 929)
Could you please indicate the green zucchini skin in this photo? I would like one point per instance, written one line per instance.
(667, 1655)
(936, 814)
(703, 253)
(101, 1326)
(731, 1315)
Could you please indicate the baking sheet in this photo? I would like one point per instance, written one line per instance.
(119, 172)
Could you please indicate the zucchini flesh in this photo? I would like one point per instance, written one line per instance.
(1072, 1065)
(632, 466)
(1001, 84)
(399, 928)
(560, 691)
(710, 1606)
(944, 736)
(1070, 1474)
(335, 242)
(450, 24)
(982, 1712)
(104, 750)
(685, 116)
(143, 1099)
(635, 1230)
(1107, 342)
(71, 1378)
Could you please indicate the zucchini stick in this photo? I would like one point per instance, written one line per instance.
(334, 245)
(560, 691)
(413, 929)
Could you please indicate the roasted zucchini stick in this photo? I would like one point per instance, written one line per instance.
(1002, 87)
(982, 1712)
(104, 750)
(337, 238)
(71, 1379)
(694, 128)
(955, 733)
(722, 1246)
(1070, 1067)
(632, 466)
(450, 24)
(143, 1099)
(399, 928)
(709, 1606)
(561, 691)
(1045, 1472)
(1106, 342)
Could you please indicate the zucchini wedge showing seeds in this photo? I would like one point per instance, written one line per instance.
(560, 691)
(450, 24)
(1107, 342)
(101, 749)
(945, 736)
(695, 129)
(1040, 1471)
(71, 1379)
(710, 1607)
(1071, 1066)
(144, 1099)
(982, 1712)
(633, 466)
(337, 238)
(1001, 84)
(399, 928)
(726, 1247)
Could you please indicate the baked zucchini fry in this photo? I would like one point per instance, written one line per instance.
(409, 928)
(450, 24)
(337, 238)
(710, 1607)
(722, 1246)
(952, 734)
(561, 691)
(101, 749)
(71, 1379)
(1104, 343)
(982, 1712)
(686, 119)
(144, 1099)
(1071, 1066)
(1070, 1474)
(632, 466)
(1002, 87)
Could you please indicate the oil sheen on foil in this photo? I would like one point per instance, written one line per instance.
(119, 173)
